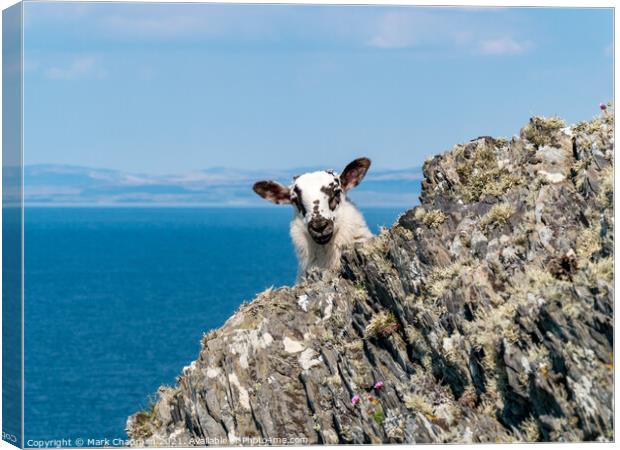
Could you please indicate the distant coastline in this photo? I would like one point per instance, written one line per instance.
(52, 185)
(176, 206)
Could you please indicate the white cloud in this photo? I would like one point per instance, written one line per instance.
(502, 46)
(398, 30)
(191, 21)
(158, 26)
(440, 29)
(80, 67)
(443, 30)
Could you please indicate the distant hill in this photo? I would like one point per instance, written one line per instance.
(56, 185)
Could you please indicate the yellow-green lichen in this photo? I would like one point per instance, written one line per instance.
(441, 278)
(419, 213)
(588, 242)
(497, 216)
(540, 130)
(480, 174)
(144, 423)
(434, 218)
(602, 269)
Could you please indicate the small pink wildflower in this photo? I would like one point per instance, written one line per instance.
(379, 385)
(603, 106)
(355, 399)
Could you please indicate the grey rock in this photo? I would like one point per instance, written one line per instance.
(510, 340)
(479, 243)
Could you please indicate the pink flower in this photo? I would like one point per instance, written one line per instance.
(603, 106)
(379, 385)
(355, 399)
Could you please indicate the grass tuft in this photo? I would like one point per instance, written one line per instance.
(480, 174)
(434, 218)
(540, 130)
(383, 324)
(418, 403)
(144, 423)
(497, 216)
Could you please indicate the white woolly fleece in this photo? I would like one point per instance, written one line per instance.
(349, 227)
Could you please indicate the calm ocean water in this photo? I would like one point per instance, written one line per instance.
(117, 300)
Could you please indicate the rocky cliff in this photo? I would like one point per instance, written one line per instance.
(483, 315)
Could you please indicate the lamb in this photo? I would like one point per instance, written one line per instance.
(324, 220)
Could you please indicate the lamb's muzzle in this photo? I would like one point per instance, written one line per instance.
(321, 229)
(324, 220)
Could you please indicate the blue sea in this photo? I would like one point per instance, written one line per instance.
(117, 300)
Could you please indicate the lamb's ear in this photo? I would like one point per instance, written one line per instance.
(354, 173)
(273, 191)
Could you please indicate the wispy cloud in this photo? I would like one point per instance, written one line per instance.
(410, 28)
(189, 22)
(458, 29)
(79, 67)
(503, 46)
(156, 25)
(443, 30)
(398, 30)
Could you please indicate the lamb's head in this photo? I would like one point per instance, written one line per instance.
(317, 196)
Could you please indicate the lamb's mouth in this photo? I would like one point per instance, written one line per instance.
(321, 238)
(321, 229)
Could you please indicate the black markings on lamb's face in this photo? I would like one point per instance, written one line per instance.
(317, 196)
(297, 200)
(333, 192)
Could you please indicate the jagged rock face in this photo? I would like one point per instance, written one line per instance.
(487, 313)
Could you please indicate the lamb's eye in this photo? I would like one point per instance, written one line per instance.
(334, 200)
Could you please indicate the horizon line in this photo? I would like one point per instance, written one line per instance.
(186, 205)
(306, 167)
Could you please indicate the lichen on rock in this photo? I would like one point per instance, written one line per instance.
(489, 320)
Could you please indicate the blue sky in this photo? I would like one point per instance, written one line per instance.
(165, 88)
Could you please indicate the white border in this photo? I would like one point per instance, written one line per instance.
(481, 3)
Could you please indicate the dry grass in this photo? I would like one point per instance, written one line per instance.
(355, 346)
(602, 269)
(382, 324)
(497, 216)
(540, 129)
(530, 430)
(588, 243)
(418, 403)
(480, 174)
(441, 278)
(434, 218)
(144, 423)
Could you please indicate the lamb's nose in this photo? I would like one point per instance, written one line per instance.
(319, 224)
